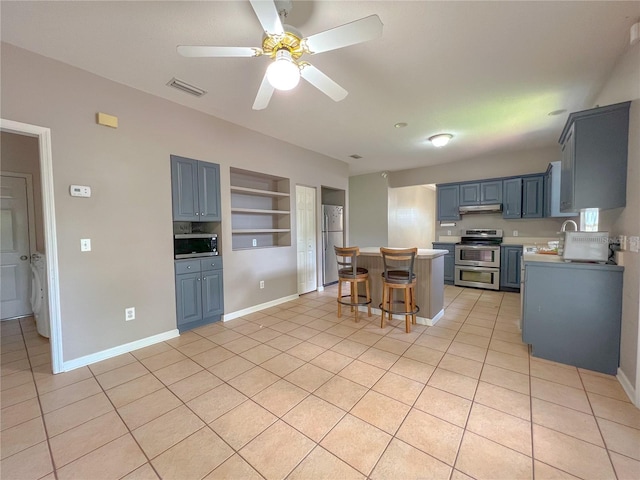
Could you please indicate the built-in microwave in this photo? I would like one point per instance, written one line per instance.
(189, 245)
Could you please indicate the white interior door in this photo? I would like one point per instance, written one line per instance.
(306, 239)
(14, 248)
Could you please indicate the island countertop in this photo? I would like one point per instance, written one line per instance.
(422, 252)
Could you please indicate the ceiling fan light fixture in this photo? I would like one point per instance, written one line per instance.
(283, 73)
(441, 139)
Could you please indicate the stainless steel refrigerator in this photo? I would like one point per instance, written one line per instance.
(332, 235)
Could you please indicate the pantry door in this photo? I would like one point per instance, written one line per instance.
(306, 239)
(14, 248)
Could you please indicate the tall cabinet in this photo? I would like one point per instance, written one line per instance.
(195, 193)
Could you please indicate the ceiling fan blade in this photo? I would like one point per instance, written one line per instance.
(204, 51)
(323, 83)
(264, 94)
(267, 14)
(358, 31)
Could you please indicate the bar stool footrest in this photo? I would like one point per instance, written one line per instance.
(399, 312)
(349, 304)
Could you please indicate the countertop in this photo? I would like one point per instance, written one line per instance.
(559, 261)
(505, 240)
(426, 253)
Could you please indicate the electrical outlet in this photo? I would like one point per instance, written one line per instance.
(261, 283)
(129, 313)
(254, 242)
(448, 232)
(634, 244)
(515, 233)
(623, 242)
(85, 244)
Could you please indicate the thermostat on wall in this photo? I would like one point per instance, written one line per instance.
(80, 191)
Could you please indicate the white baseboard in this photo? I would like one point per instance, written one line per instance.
(419, 320)
(321, 288)
(256, 308)
(119, 350)
(628, 388)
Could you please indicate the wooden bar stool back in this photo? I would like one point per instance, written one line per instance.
(349, 272)
(398, 274)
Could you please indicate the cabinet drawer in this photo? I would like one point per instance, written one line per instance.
(187, 266)
(211, 263)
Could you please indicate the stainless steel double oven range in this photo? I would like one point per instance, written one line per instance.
(477, 261)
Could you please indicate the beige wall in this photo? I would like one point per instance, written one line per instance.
(623, 85)
(367, 212)
(491, 166)
(20, 154)
(412, 217)
(128, 216)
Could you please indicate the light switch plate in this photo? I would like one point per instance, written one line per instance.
(85, 244)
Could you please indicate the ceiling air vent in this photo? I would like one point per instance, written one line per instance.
(185, 87)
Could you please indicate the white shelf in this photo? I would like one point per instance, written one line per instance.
(255, 191)
(261, 230)
(260, 211)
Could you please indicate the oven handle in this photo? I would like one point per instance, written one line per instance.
(477, 269)
(475, 247)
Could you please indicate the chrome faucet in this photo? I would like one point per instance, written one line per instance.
(564, 226)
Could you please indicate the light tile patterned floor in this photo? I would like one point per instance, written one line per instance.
(295, 392)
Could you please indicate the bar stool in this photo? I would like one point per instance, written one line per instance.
(398, 274)
(348, 271)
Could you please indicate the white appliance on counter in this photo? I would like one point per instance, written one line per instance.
(477, 260)
(332, 236)
(586, 247)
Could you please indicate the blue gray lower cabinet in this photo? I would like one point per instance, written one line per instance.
(510, 257)
(572, 313)
(199, 292)
(449, 260)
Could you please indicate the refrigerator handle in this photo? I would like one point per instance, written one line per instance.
(325, 222)
(325, 239)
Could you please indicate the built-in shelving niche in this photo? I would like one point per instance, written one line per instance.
(260, 210)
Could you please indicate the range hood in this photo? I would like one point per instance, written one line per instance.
(489, 208)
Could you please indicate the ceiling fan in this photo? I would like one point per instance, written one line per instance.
(286, 45)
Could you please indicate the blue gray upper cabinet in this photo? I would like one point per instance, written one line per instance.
(195, 190)
(481, 193)
(533, 197)
(594, 158)
(512, 194)
(448, 202)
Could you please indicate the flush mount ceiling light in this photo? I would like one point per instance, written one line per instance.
(441, 139)
(283, 73)
(557, 112)
(401, 125)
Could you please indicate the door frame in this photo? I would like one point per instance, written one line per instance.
(31, 223)
(43, 134)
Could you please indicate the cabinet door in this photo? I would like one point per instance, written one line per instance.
(189, 297)
(449, 260)
(209, 191)
(512, 192)
(184, 189)
(470, 194)
(491, 192)
(567, 172)
(547, 193)
(212, 293)
(448, 197)
(533, 197)
(510, 258)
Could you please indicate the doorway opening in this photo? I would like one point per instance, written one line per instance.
(43, 135)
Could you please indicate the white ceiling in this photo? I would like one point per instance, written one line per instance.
(487, 72)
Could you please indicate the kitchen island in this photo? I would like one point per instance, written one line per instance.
(429, 270)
